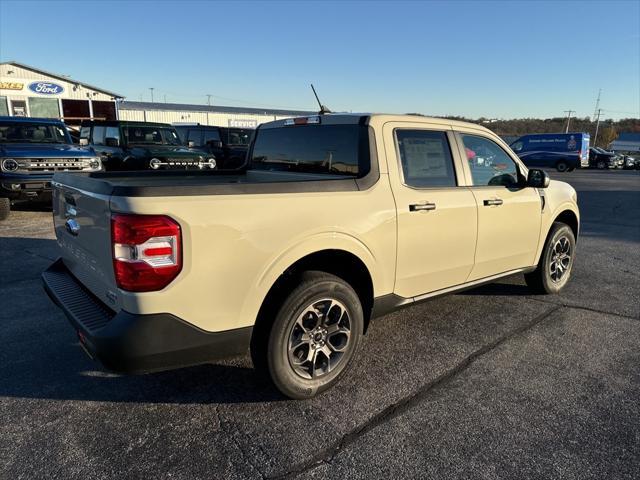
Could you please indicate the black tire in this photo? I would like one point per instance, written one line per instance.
(320, 300)
(5, 208)
(562, 166)
(601, 165)
(543, 279)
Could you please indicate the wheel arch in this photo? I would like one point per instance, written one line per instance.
(342, 263)
(569, 218)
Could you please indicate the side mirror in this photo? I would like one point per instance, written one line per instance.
(111, 142)
(538, 178)
(191, 144)
(84, 141)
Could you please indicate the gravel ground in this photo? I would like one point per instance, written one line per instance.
(489, 383)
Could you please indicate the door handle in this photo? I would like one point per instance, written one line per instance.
(417, 207)
(493, 202)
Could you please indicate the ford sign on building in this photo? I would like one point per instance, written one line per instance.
(46, 88)
(26, 91)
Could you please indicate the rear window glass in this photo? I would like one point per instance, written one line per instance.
(331, 149)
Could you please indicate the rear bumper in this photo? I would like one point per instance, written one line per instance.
(130, 343)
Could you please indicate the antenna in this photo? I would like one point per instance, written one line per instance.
(323, 109)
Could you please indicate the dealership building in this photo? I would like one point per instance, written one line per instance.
(31, 92)
(26, 91)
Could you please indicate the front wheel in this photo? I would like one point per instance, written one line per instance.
(601, 165)
(5, 208)
(562, 167)
(315, 335)
(556, 261)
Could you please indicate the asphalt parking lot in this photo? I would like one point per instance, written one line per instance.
(489, 383)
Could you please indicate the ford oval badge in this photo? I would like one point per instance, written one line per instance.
(72, 226)
(46, 88)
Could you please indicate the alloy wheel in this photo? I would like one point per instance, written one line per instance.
(560, 262)
(319, 338)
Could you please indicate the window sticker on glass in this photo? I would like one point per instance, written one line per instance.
(426, 158)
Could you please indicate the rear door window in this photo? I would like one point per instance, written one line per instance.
(211, 136)
(329, 149)
(426, 158)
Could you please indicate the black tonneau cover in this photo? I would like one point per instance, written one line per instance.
(180, 183)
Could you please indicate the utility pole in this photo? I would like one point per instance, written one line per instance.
(568, 112)
(595, 112)
(595, 137)
(209, 99)
(151, 88)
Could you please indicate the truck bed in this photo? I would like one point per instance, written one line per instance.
(180, 183)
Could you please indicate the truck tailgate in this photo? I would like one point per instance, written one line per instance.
(82, 222)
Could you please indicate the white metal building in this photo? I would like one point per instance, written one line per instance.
(31, 92)
(221, 116)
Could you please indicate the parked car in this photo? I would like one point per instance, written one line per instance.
(228, 145)
(562, 151)
(125, 145)
(31, 151)
(629, 162)
(601, 159)
(336, 219)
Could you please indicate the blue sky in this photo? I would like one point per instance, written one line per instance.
(492, 59)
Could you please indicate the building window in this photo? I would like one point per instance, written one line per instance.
(44, 107)
(4, 109)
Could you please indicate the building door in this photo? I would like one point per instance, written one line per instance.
(103, 110)
(74, 111)
(18, 108)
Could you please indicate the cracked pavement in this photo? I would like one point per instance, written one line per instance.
(488, 383)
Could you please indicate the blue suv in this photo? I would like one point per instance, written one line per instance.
(31, 151)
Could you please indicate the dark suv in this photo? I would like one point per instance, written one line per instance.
(228, 145)
(601, 159)
(125, 145)
(31, 151)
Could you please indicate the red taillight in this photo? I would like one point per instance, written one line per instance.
(147, 253)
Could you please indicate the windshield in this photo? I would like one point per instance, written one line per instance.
(333, 149)
(151, 136)
(23, 132)
(237, 136)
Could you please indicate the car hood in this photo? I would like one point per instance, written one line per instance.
(174, 151)
(43, 150)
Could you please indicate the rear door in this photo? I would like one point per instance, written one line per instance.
(436, 217)
(509, 213)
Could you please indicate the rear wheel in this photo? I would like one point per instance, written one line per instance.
(314, 336)
(562, 166)
(554, 269)
(5, 208)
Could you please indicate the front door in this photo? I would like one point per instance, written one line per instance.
(436, 218)
(509, 213)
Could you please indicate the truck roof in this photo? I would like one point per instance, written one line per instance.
(125, 123)
(52, 121)
(347, 118)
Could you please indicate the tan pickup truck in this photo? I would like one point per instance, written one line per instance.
(336, 219)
